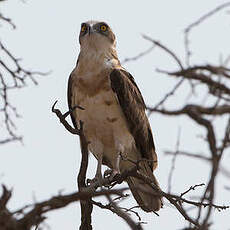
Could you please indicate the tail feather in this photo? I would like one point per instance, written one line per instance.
(148, 202)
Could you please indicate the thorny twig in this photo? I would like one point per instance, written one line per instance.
(124, 216)
(191, 188)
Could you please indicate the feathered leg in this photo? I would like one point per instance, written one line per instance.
(116, 171)
(98, 175)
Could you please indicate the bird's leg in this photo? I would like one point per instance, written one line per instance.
(111, 173)
(117, 168)
(98, 176)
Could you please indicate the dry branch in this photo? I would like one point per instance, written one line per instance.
(196, 23)
(215, 78)
(166, 49)
(13, 76)
(191, 74)
(32, 215)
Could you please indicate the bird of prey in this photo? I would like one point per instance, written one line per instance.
(115, 123)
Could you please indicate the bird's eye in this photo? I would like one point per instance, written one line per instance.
(103, 28)
(83, 28)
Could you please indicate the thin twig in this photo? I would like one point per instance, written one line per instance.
(167, 50)
(191, 188)
(139, 55)
(189, 28)
(174, 161)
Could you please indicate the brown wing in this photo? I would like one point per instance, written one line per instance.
(133, 107)
(69, 97)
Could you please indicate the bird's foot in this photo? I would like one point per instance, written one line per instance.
(112, 174)
(96, 181)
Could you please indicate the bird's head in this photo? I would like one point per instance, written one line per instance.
(96, 35)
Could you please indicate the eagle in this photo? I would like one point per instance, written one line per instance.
(115, 124)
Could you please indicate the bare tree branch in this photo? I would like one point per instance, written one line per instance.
(200, 20)
(139, 55)
(7, 20)
(206, 80)
(36, 212)
(167, 50)
(12, 78)
(174, 161)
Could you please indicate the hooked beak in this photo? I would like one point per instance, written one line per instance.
(91, 30)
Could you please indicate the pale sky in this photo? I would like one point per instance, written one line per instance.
(47, 39)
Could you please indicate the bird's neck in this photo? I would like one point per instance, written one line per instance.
(93, 59)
